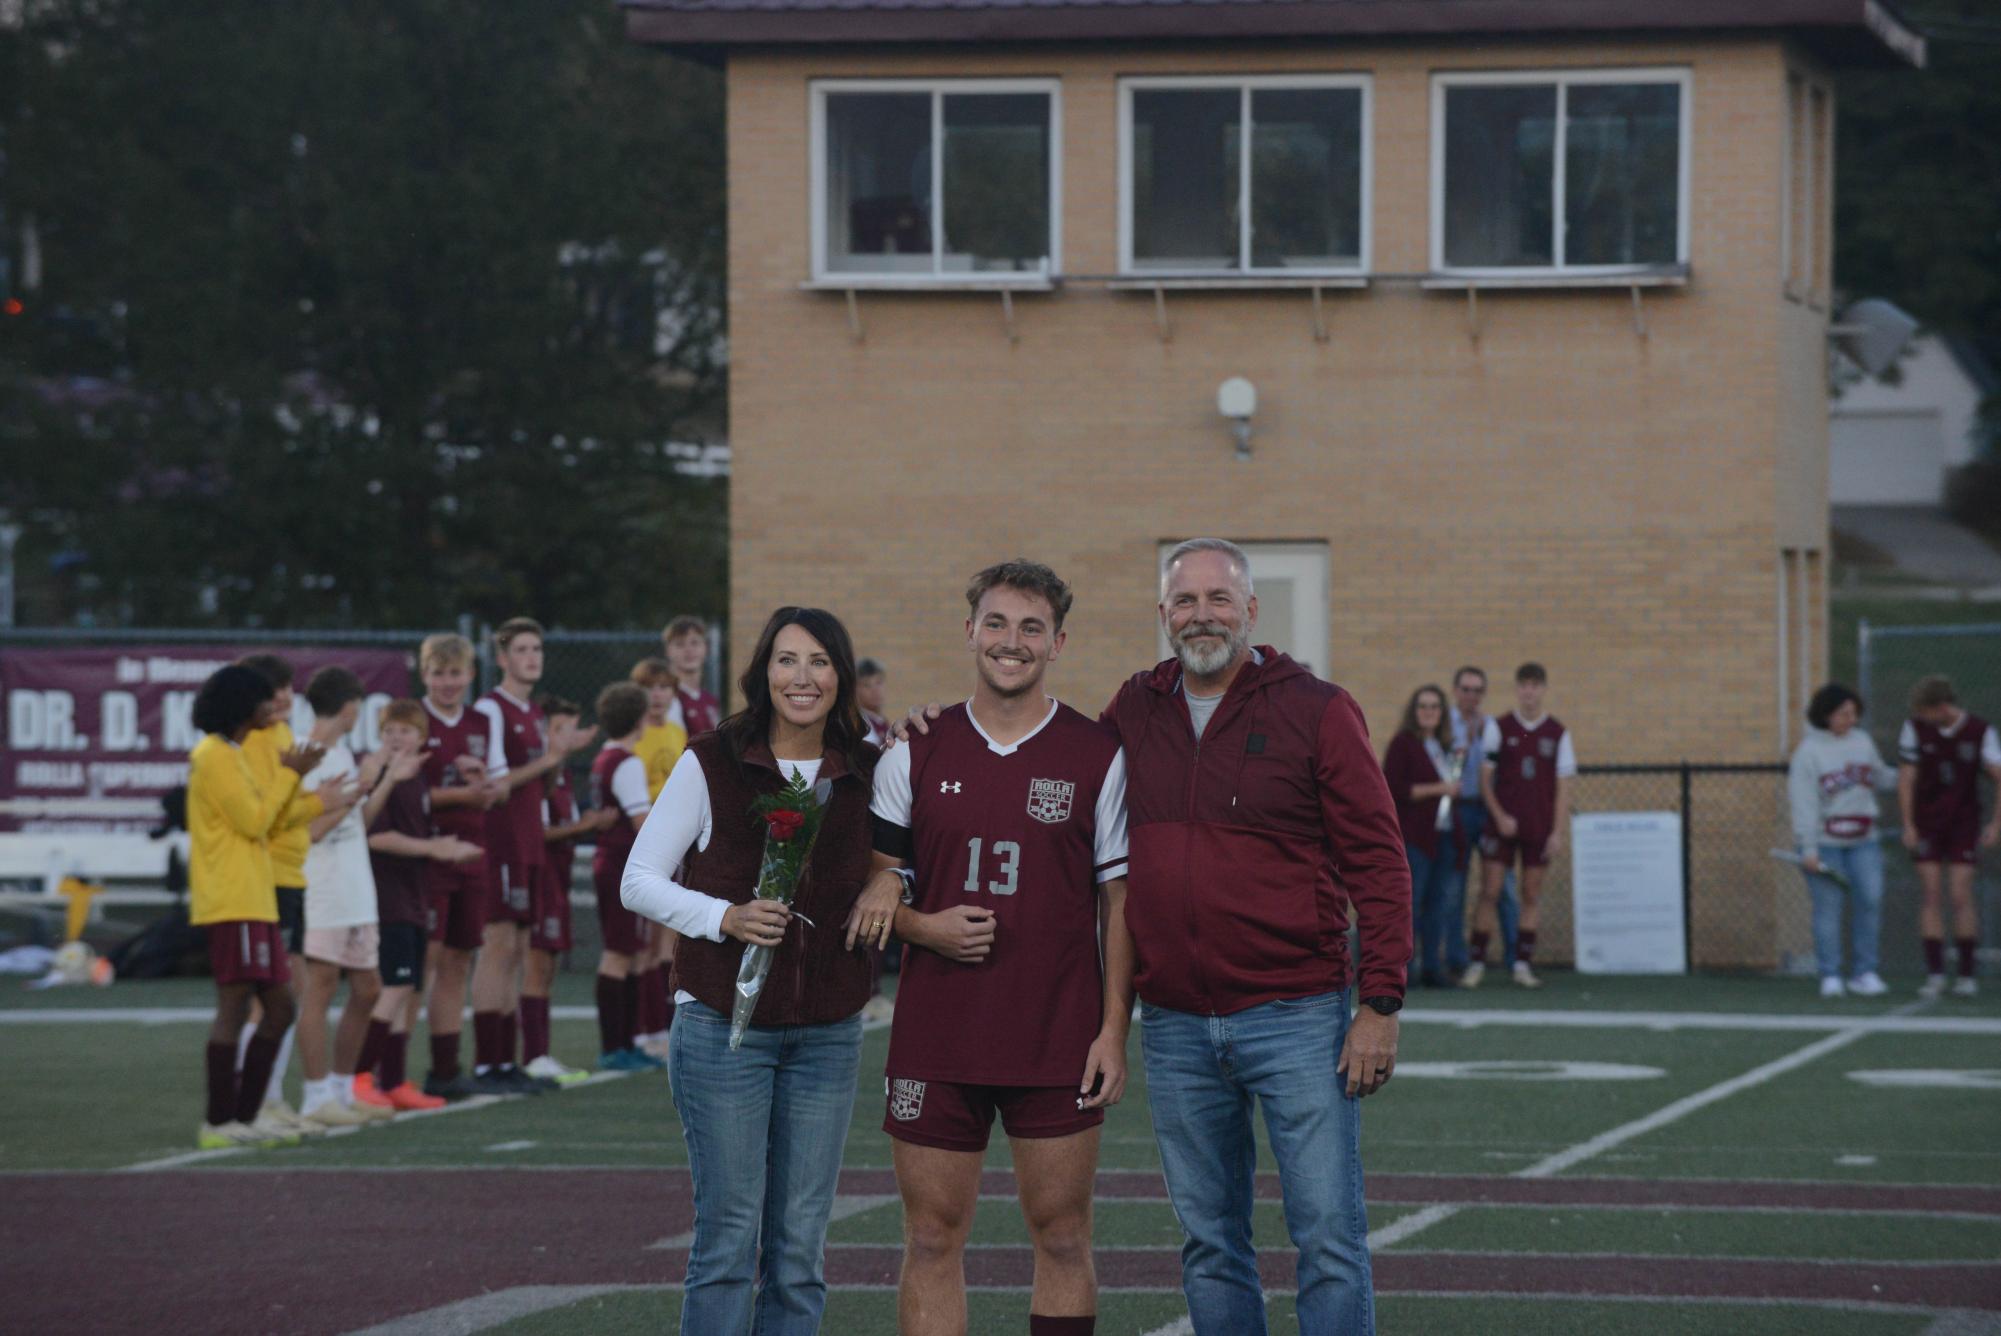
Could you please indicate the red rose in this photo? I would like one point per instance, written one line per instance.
(784, 823)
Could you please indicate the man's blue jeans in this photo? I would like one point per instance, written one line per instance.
(1469, 817)
(1202, 1075)
(1862, 864)
(765, 1126)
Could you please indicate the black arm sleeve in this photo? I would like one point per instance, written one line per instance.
(893, 840)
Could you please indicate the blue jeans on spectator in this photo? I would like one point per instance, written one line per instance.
(1202, 1075)
(765, 1126)
(1862, 864)
(1469, 817)
(1430, 874)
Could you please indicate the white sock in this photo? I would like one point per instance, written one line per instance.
(343, 1087)
(274, 1093)
(312, 1094)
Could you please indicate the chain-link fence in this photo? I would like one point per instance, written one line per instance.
(1889, 660)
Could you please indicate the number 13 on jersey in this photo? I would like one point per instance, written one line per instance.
(1008, 853)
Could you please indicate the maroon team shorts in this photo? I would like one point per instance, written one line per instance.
(625, 933)
(1956, 840)
(1527, 845)
(247, 951)
(455, 897)
(551, 930)
(510, 893)
(953, 1116)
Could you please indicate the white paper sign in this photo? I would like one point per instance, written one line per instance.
(1627, 893)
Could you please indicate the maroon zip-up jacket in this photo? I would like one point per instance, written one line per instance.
(1246, 850)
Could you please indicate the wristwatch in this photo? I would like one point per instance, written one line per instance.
(909, 880)
(1383, 1006)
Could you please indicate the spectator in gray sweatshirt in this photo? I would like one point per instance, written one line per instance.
(1833, 781)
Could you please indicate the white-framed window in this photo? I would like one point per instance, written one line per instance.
(1559, 172)
(936, 181)
(1265, 174)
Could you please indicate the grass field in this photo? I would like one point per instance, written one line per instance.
(1710, 1155)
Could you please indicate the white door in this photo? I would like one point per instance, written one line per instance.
(1290, 581)
(1886, 458)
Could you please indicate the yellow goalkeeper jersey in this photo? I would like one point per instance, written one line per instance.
(230, 815)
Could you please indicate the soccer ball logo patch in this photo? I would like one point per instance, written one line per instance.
(1966, 752)
(906, 1100)
(1050, 800)
(1547, 747)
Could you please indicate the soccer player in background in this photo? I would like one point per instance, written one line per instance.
(288, 840)
(1941, 751)
(456, 743)
(618, 789)
(1525, 772)
(342, 936)
(231, 894)
(402, 847)
(686, 641)
(871, 691)
(521, 751)
(549, 935)
(660, 745)
(1009, 814)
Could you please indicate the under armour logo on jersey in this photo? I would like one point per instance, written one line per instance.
(949, 786)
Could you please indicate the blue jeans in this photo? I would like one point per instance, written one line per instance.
(1862, 864)
(1202, 1074)
(1469, 817)
(765, 1126)
(1430, 873)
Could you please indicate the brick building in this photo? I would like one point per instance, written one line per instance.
(1534, 299)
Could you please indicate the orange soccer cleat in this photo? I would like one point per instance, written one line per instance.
(407, 1096)
(366, 1093)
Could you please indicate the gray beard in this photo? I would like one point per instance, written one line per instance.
(1207, 663)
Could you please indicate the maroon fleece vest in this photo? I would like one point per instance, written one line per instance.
(814, 978)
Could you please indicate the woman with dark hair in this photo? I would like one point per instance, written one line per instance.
(1835, 774)
(764, 1124)
(231, 893)
(1422, 773)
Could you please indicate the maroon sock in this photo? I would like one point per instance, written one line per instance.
(510, 1043)
(632, 1008)
(371, 1048)
(221, 1083)
(396, 1061)
(485, 1040)
(1964, 947)
(1525, 945)
(534, 1028)
(258, 1060)
(611, 1014)
(445, 1055)
(652, 1003)
(1038, 1325)
(1476, 947)
(1934, 955)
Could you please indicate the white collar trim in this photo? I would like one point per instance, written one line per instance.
(1015, 746)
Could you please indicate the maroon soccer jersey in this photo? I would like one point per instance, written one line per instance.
(1946, 802)
(1527, 762)
(562, 805)
(514, 829)
(1027, 831)
(448, 740)
(399, 878)
(700, 711)
(614, 841)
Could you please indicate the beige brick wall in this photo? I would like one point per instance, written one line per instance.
(1561, 488)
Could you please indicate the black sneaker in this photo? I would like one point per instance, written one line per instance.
(455, 1087)
(494, 1081)
(525, 1084)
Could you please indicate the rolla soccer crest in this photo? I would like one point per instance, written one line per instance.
(1050, 800)
(906, 1100)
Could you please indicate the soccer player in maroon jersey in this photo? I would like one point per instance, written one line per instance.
(521, 752)
(1941, 751)
(1525, 776)
(456, 745)
(549, 934)
(620, 792)
(686, 641)
(1009, 814)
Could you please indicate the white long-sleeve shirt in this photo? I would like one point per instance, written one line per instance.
(679, 821)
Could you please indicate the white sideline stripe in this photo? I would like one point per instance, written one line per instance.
(463, 1106)
(492, 1310)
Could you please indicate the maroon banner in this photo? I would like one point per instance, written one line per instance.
(95, 736)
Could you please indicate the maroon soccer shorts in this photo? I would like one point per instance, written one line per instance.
(551, 929)
(952, 1116)
(1958, 841)
(625, 933)
(247, 951)
(510, 893)
(455, 897)
(1527, 845)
